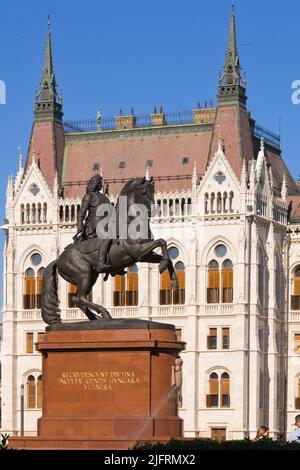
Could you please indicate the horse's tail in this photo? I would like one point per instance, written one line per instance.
(49, 298)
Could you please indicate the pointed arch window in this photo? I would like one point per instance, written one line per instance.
(213, 287)
(295, 298)
(29, 289)
(39, 283)
(219, 391)
(132, 288)
(34, 391)
(45, 212)
(227, 282)
(262, 287)
(39, 392)
(166, 295)
(31, 392)
(119, 291)
(22, 214)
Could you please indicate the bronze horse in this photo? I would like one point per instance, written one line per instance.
(78, 268)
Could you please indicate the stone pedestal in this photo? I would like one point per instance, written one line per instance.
(107, 389)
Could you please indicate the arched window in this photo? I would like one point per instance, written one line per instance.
(213, 287)
(39, 213)
(39, 392)
(219, 203)
(33, 213)
(231, 196)
(27, 214)
(119, 291)
(22, 214)
(31, 395)
(219, 391)
(225, 195)
(212, 399)
(72, 212)
(166, 294)
(206, 200)
(225, 390)
(132, 286)
(227, 282)
(212, 203)
(34, 392)
(29, 290)
(179, 297)
(61, 213)
(45, 212)
(295, 298)
(39, 281)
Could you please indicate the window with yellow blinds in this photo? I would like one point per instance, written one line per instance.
(40, 336)
(132, 286)
(225, 338)
(179, 297)
(297, 343)
(39, 392)
(212, 339)
(165, 291)
(178, 334)
(39, 281)
(166, 295)
(29, 342)
(119, 291)
(213, 285)
(72, 289)
(212, 399)
(29, 290)
(295, 298)
(227, 282)
(225, 390)
(31, 392)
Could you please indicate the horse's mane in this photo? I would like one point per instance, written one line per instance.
(125, 189)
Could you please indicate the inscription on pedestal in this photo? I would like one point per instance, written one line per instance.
(99, 381)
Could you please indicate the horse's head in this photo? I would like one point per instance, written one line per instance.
(140, 191)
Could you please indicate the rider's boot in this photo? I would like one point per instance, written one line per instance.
(102, 265)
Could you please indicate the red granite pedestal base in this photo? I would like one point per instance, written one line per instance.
(106, 389)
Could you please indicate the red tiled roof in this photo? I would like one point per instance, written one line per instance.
(165, 146)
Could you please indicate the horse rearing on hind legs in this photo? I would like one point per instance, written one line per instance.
(77, 266)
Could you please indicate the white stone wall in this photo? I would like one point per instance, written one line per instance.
(196, 233)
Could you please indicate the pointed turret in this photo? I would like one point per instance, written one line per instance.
(232, 115)
(47, 137)
(284, 189)
(47, 102)
(231, 85)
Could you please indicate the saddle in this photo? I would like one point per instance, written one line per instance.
(88, 246)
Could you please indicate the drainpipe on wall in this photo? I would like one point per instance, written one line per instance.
(22, 411)
(250, 219)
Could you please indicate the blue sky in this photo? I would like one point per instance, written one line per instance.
(119, 54)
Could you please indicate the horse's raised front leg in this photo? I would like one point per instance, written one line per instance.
(155, 258)
(150, 246)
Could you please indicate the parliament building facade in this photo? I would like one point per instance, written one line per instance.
(228, 208)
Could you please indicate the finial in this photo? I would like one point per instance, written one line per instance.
(132, 111)
(262, 144)
(20, 158)
(49, 23)
(98, 119)
(232, 5)
(147, 175)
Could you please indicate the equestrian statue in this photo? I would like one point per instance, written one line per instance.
(92, 253)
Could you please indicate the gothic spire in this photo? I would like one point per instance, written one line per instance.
(231, 83)
(47, 101)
